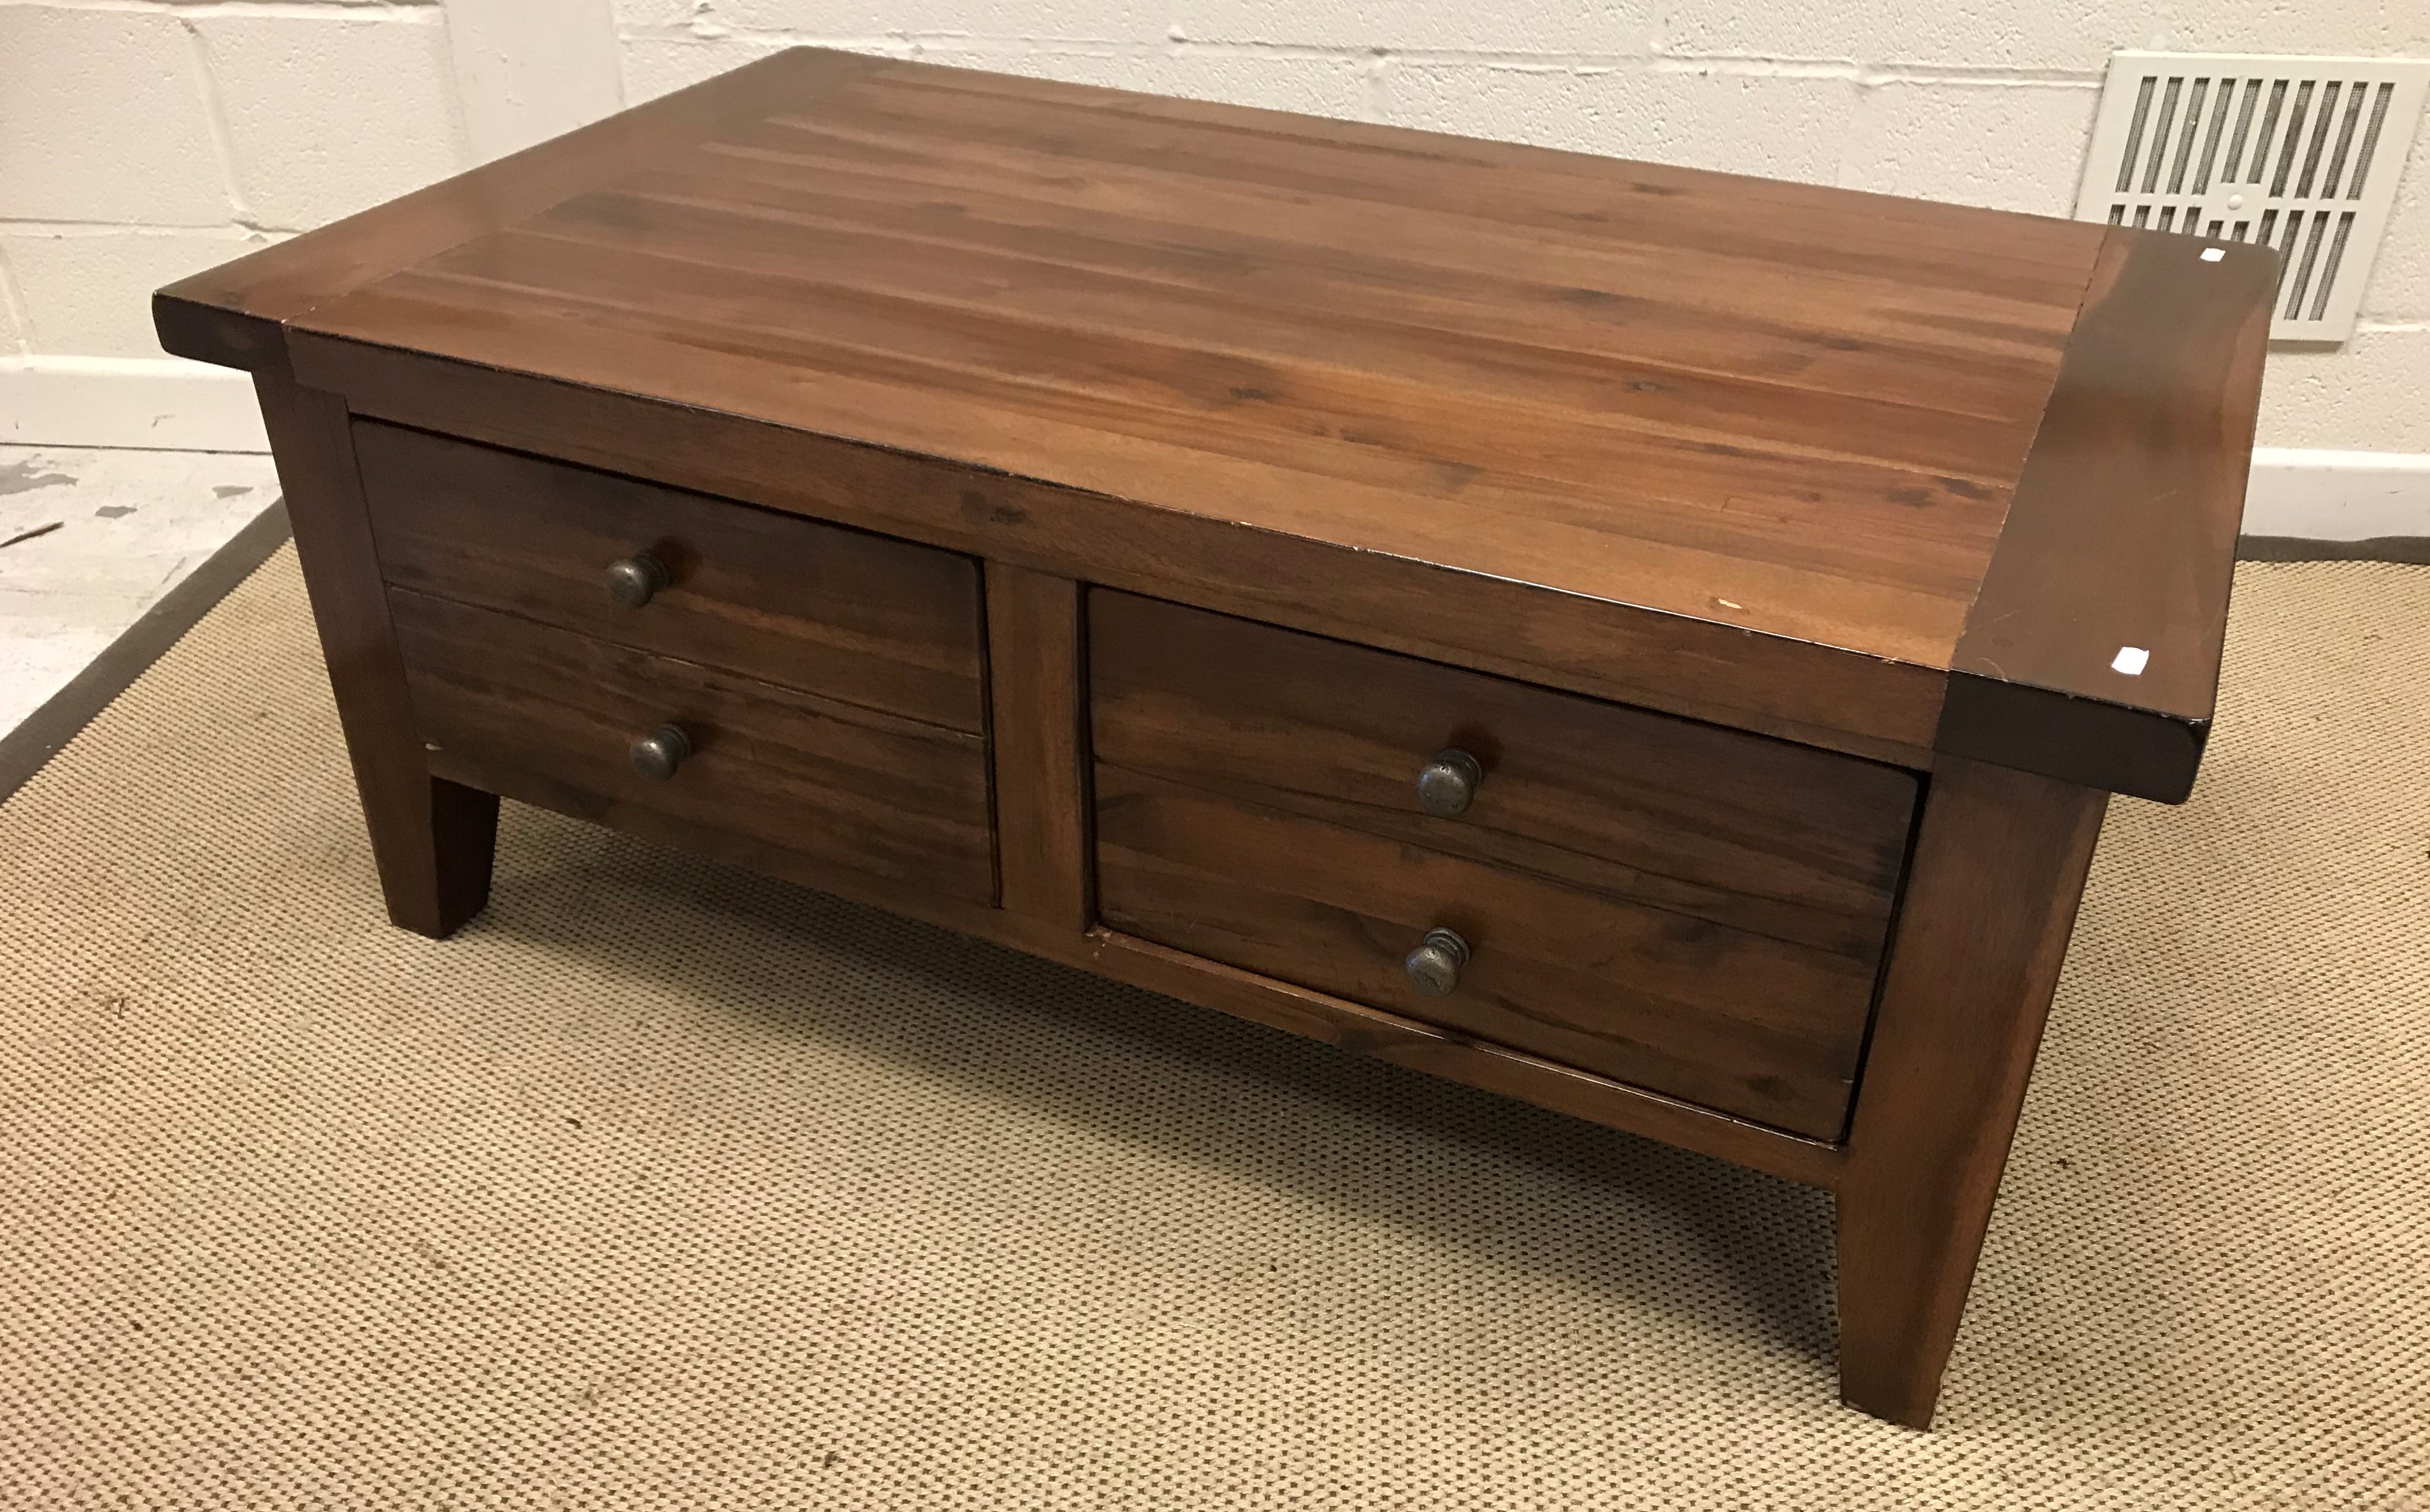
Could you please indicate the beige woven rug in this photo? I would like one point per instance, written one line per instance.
(665, 1186)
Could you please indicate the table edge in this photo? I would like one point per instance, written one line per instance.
(233, 315)
(2016, 694)
(2160, 387)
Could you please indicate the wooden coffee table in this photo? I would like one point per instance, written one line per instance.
(1652, 643)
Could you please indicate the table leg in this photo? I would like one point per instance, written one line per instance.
(1982, 932)
(432, 839)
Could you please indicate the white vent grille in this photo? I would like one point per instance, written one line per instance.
(2300, 154)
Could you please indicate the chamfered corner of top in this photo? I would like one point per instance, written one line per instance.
(199, 318)
(233, 315)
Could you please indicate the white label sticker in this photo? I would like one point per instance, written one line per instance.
(2130, 661)
(2214, 255)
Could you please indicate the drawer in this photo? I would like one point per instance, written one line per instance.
(839, 783)
(1690, 909)
(875, 622)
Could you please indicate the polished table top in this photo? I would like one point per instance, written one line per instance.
(1933, 438)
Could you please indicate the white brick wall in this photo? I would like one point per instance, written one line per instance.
(328, 114)
(141, 140)
(13, 325)
(139, 143)
(1779, 124)
(81, 87)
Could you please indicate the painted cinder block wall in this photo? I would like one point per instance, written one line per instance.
(141, 141)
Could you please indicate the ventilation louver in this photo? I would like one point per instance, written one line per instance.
(2300, 154)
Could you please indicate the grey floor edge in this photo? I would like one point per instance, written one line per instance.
(2410, 549)
(26, 749)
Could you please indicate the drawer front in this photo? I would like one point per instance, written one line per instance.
(875, 622)
(1686, 909)
(842, 785)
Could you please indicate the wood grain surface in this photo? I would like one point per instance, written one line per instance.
(842, 613)
(1794, 688)
(1607, 473)
(2122, 533)
(1685, 909)
(847, 786)
(1042, 777)
(1745, 1024)
(1766, 432)
(1752, 834)
(1447, 1052)
(432, 839)
(1782, 407)
(2000, 864)
(233, 314)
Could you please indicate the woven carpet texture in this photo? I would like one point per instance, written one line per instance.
(663, 1186)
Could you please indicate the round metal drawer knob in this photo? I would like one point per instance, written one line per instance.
(633, 581)
(1434, 965)
(1447, 784)
(657, 755)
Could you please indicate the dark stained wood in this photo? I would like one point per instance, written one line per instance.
(1857, 551)
(1455, 1057)
(1696, 404)
(2000, 864)
(1679, 396)
(1752, 834)
(1892, 481)
(232, 314)
(841, 613)
(764, 208)
(1792, 689)
(930, 304)
(1761, 1028)
(2124, 529)
(846, 786)
(431, 838)
(1041, 802)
